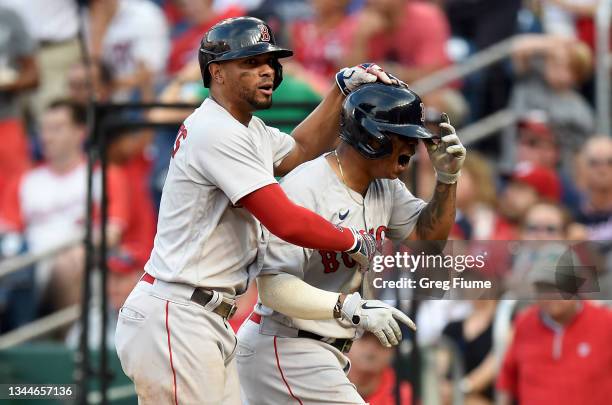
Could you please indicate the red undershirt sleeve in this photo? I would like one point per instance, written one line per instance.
(293, 223)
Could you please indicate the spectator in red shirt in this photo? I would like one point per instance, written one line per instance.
(128, 152)
(528, 184)
(321, 44)
(560, 353)
(372, 374)
(200, 16)
(411, 33)
(409, 38)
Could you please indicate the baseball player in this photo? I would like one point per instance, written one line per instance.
(172, 337)
(291, 350)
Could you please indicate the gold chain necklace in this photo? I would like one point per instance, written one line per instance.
(348, 189)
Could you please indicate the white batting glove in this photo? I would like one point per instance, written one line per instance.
(448, 155)
(376, 317)
(348, 79)
(363, 249)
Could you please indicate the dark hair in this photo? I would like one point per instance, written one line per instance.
(77, 111)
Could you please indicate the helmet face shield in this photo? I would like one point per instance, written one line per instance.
(374, 112)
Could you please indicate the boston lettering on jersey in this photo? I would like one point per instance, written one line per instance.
(329, 258)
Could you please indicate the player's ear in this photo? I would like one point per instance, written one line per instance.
(216, 72)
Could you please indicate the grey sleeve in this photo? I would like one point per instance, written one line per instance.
(405, 212)
(282, 144)
(230, 161)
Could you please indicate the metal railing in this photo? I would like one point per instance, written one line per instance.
(602, 68)
(480, 60)
(20, 262)
(40, 327)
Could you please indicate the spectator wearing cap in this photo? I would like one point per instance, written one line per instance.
(18, 73)
(373, 375)
(538, 143)
(528, 184)
(125, 269)
(560, 352)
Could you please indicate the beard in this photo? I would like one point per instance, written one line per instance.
(251, 97)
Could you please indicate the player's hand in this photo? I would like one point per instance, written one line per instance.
(448, 155)
(348, 79)
(363, 249)
(376, 317)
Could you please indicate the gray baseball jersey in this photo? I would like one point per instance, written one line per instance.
(388, 210)
(202, 238)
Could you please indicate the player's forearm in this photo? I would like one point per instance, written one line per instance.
(482, 376)
(27, 78)
(319, 131)
(295, 298)
(437, 218)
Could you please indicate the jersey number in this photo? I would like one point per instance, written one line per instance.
(182, 134)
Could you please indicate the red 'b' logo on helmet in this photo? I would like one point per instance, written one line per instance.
(265, 33)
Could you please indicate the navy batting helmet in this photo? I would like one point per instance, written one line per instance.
(240, 37)
(373, 112)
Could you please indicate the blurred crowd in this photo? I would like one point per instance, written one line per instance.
(548, 177)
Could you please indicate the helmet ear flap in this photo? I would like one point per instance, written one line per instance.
(204, 60)
(278, 73)
(360, 132)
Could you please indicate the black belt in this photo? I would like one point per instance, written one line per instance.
(203, 297)
(47, 43)
(344, 345)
